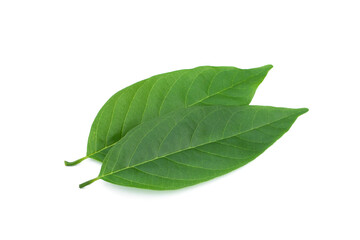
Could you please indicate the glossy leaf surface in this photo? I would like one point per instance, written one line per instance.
(193, 145)
(167, 92)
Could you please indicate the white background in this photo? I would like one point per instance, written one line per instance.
(61, 60)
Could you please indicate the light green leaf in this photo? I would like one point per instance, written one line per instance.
(167, 92)
(193, 145)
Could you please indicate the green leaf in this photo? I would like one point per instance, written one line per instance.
(167, 92)
(193, 145)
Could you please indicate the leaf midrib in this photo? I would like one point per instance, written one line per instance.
(166, 155)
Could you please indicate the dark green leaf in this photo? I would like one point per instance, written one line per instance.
(167, 92)
(192, 145)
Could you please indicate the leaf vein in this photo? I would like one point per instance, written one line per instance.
(162, 103)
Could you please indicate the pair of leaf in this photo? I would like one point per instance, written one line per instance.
(184, 127)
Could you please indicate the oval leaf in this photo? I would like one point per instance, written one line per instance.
(167, 92)
(193, 145)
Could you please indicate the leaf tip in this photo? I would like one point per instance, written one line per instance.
(266, 68)
(302, 110)
(269, 67)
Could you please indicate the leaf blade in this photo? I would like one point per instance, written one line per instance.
(166, 92)
(248, 132)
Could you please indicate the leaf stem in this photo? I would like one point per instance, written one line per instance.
(75, 162)
(84, 184)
